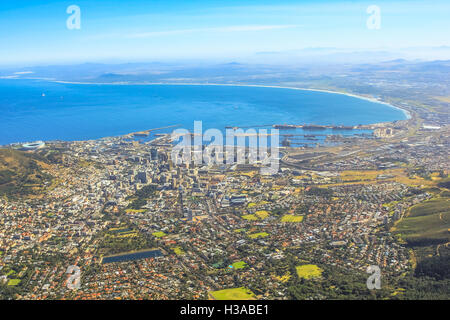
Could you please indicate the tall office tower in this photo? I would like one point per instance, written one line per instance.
(154, 154)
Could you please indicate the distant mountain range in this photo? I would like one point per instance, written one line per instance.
(221, 73)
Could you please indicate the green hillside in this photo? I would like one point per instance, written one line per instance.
(21, 173)
(426, 229)
(427, 223)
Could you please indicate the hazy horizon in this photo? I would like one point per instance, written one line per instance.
(48, 32)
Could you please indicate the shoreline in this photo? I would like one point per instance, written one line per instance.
(374, 100)
(406, 113)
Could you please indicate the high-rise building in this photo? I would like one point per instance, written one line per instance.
(142, 177)
(154, 154)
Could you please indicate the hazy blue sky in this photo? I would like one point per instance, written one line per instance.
(35, 31)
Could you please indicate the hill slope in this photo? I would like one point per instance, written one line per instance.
(21, 173)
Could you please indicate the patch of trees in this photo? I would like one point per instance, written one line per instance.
(389, 159)
(444, 184)
(335, 283)
(437, 267)
(279, 211)
(425, 288)
(320, 192)
(137, 204)
(424, 242)
(142, 195)
(146, 191)
(302, 209)
(113, 245)
(6, 176)
(414, 191)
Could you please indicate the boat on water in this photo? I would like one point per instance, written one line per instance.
(314, 127)
(342, 128)
(284, 126)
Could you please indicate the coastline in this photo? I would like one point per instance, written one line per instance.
(405, 112)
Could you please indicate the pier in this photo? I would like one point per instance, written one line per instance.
(145, 133)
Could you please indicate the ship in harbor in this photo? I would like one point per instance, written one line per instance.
(313, 127)
(286, 143)
(342, 128)
(285, 126)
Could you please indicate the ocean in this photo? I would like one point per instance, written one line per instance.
(32, 110)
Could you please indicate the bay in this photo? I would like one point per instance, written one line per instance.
(32, 110)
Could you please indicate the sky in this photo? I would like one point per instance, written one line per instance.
(36, 32)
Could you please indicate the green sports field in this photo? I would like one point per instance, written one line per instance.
(308, 271)
(239, 265)
(159, 234)
(291, 218)
(250, 217)
(13, 282)
(241, 293)
(258, 235)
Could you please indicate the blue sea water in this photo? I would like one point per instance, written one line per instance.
(33, 110)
